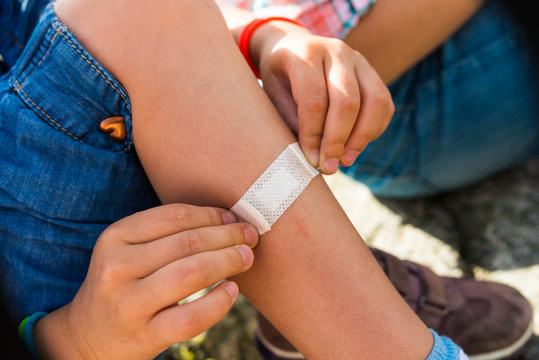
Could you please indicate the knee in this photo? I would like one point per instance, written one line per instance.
(126, 36)
(125, 17)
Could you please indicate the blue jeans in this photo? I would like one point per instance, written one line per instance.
(62, 180)
(463, 113)
(17, 21)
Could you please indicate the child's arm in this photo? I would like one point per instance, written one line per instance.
(204, 130)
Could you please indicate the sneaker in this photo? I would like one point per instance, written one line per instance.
(489, 321)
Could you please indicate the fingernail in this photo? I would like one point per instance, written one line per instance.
(232, 289)
(246, 254)
(349, 157)
(251, 235)
(314, 157)
(331, 166)
(229, 217)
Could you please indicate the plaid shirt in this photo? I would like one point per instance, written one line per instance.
(333, 18)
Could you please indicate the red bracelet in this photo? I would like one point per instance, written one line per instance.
(247, 33)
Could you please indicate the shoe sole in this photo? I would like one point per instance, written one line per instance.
(508, 352)
(271, 352)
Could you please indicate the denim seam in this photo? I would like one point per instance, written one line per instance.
(19, 87)
(40, 61)
(405, 107)
(413, 175)
(93, 66)
(13, 39)
(48, 50)
(509, 39)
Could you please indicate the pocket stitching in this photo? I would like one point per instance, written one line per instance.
(44, 55)
(19, 87)
(93, 66)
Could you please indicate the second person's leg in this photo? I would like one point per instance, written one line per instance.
(462, 114)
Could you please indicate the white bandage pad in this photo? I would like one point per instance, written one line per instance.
(276, 189)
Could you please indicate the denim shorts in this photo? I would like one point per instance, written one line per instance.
(465, 112)
(62, 180)
(17, 21)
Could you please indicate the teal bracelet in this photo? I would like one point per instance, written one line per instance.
(26, 332)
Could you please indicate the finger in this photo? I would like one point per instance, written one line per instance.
(186, 276)
(310, 93)
(278, 89)
(344, 100)
(154, 255)
(374, 115)
(165, 220)
(179, 323)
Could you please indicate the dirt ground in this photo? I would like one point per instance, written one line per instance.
(490, 231)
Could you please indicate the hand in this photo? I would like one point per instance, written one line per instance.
(141, 267)
(327, 92)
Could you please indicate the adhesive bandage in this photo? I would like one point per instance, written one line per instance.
(276, 189)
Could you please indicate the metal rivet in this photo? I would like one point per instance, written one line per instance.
(115, 127)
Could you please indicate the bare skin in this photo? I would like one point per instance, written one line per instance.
(208, 150)
(395, 35)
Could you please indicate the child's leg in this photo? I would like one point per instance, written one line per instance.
(462, 114)
(204, 131)
(394, 36)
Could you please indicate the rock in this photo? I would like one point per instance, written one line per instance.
(490, 230)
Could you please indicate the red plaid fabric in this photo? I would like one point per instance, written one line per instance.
(333, 18)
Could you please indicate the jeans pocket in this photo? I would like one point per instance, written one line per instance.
(69, 90)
